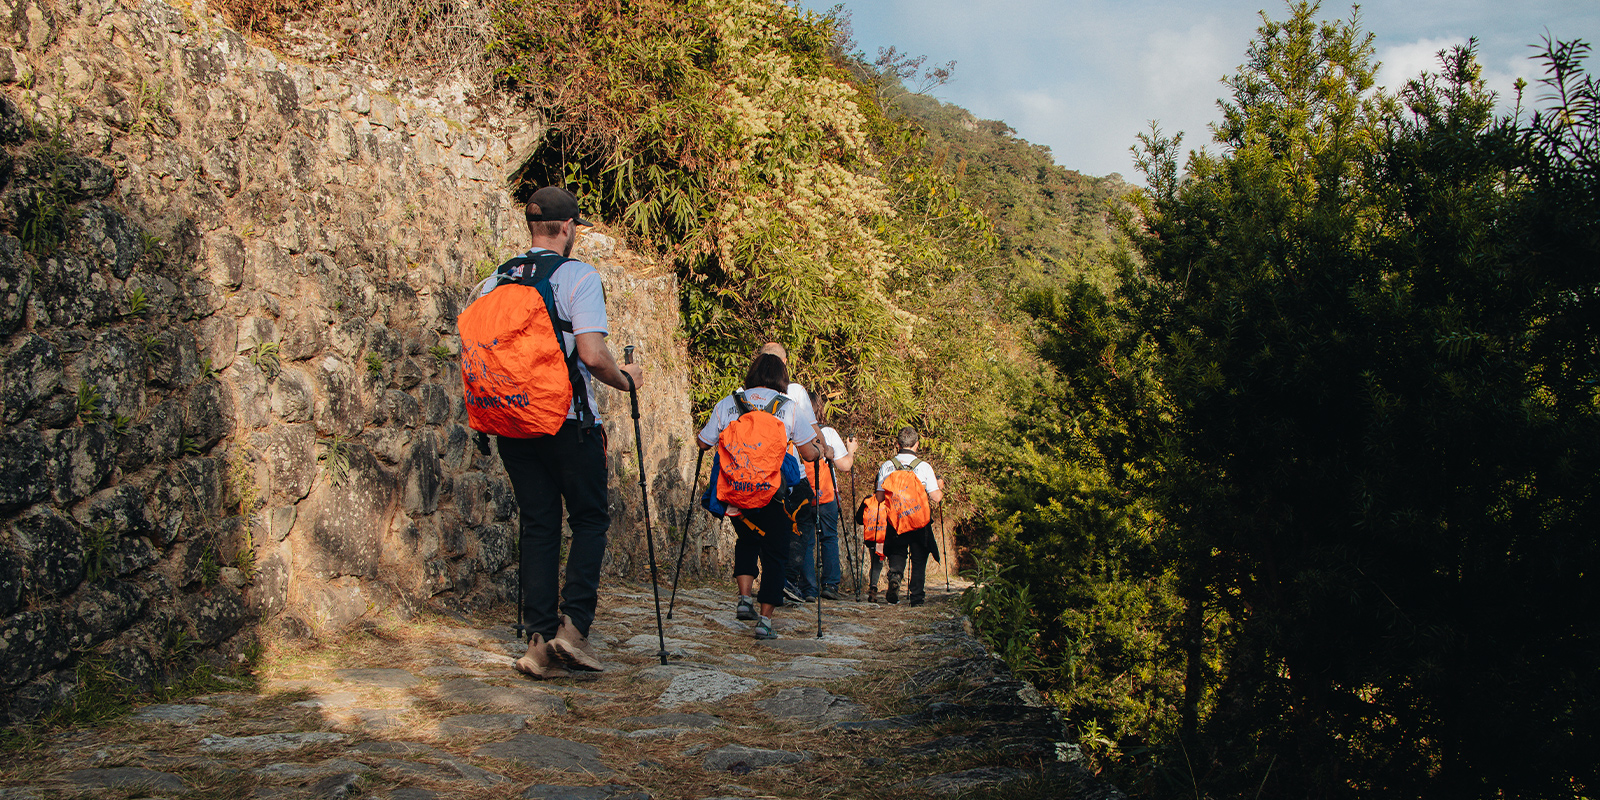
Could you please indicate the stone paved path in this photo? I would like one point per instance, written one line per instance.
(890, 702)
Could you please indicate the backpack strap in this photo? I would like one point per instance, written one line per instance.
(915, 462)
(535, 270)
(773, 407)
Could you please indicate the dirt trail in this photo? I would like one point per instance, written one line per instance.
(891, 702)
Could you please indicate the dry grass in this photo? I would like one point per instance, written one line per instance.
(421, 37)
(667, 768)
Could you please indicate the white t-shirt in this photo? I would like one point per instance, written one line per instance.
(924, 472)
(836, 448)
(797, 421)
(580, 300)
(801, 397)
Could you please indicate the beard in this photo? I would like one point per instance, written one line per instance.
(572, 239)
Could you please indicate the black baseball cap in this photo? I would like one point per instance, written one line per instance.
(553, 204)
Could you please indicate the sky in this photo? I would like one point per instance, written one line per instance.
(1084, 77)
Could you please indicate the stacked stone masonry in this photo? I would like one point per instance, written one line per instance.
(228, 286)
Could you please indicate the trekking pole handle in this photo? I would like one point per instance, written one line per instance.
(627, 358)
(627, 354)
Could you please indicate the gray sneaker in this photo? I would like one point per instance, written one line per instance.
(831, 593)
(747, 609)
(764, 629)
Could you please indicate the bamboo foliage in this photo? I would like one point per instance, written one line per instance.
(723, 133)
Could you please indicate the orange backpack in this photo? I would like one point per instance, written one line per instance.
(750, 454)
(906, 497)
(823, 483)
(519, 381)
(873, 517)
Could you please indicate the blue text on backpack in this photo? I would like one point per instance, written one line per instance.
(492, 392)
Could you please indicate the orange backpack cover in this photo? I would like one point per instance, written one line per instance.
(823, 482)
(874, 519)
(750, 452)
(517, 378)
(906, 497)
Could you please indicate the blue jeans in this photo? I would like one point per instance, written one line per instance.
(828, 516)
(802, 572)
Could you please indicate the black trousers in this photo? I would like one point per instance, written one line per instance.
(762, 548)
(897, 547)
(877, 565)
(568, 466)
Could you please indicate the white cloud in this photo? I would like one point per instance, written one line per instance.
(1176, 66)
(1403, 62)
(1085, 76)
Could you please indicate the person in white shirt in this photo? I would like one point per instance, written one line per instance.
(763, 534)
(800, 583)
(919, 543)
(841, 453)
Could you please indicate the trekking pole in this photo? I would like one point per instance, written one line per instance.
(650, 542)
(521, 628)
(683, 545)
(816, 533)
(855, 550)
(947, 555)
(846, 563)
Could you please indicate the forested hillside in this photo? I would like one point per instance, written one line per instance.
(1306, 508)
(1052, 224)
(1282, 487)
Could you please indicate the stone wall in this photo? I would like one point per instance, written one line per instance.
(231, 396)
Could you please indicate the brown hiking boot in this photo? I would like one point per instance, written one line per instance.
(872, 595)
(540, 662)
(573, 649)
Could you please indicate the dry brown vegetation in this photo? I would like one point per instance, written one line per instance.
(291, 673)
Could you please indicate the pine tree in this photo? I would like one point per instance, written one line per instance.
(1366, 315)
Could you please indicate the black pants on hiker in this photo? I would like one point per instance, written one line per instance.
(896, 548)
(571, 466)
(877, 565)
(763, 538)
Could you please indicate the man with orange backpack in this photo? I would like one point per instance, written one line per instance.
(910, 490)
(757, 483)
(530, 344)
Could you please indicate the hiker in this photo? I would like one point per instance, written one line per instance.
(564, 460)
(841, 453)
(911, 490)
(795, 391)
(872, 517)
(797, 587)
(751, 430)
(796, 591)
